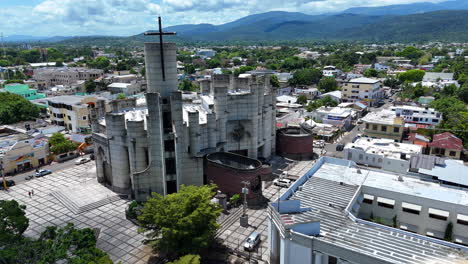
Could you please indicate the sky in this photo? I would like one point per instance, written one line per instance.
(130, 17)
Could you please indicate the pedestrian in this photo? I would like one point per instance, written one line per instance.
(32, 192)
(29, 193)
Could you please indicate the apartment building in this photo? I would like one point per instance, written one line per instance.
(381, 153)
(340, 213)
(384, 124)
(362, 89)
(21, 152)
(72, 111)
(331, 71)
(337, 116)
(418, 115)
(65, 76)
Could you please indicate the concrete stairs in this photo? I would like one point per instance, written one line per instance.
(77, 209)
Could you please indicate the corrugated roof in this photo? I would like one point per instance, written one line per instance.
(446, 140)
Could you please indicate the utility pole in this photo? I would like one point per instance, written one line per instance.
(244, 219)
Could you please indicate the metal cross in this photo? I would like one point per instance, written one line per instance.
(160, 34)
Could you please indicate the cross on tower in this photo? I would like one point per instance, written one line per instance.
(160, 34)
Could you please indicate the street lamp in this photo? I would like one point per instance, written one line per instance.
(244, 219)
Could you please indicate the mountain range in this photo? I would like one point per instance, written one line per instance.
(418, 22)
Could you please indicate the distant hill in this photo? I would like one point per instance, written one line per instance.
(283, 27)
(407, 9)
(26, 38)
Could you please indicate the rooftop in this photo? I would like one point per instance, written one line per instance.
(67, 99)
(385, 147)
(453, 171)
(446, 140)
(330, 187)
(384, 116)
(335, 111)
(364, 80)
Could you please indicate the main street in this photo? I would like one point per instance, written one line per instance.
(54, 167)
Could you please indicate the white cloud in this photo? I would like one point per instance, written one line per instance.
(126, 17)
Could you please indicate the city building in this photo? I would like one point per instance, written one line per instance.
(331, 71)
(447, 145)
(361, 68)
(418, 115)
(340, 213)
(64, 75)
(164, 145)
(363, 89)
(310, 93)
(23, 90)
(295, 143)
(381, 67)
(334, 95)
(437, 76)
(126, 88)
(384, 124)
(71, 111)
(337, 116)
(381, 153)
(20, 151)
(206, 53)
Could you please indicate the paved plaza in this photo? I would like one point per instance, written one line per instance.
(232, 235)
(74, 195)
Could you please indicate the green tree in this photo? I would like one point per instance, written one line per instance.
(4, 63)
(371, 73)
(121, 96)
(306, 77)
(59, 144)
(463, 93)
(13, 220)
(328, 102)
(236, 62)
(15, 108)
(187, 259)
(90, 86)
(302, 99)
(213, 63)
(189, 69)
(450, 90)
(274, 81)
(59, 63)
(411, 53)
(446, 105)
(391, 82)
(411, 76)
(143, 72)
(100, 63)
(182, 222)
(188, 86)
(242, 69)
(327, 84)
(448, 234)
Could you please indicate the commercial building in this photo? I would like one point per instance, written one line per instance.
(71, 111)
(363, 89)
(384, 124)
(381, 153)
(446, 144)
(340, 213)
(21, 152)
(161, 147)
(23, 90)
(64, 75)
(337, 116)
(310, 93)
(331, 71)
(418, 115)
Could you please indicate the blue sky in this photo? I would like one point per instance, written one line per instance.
(128, 17)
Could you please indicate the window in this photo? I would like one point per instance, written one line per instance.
(170, 166)
(452, 153)
(411, 208)
(367, 126)
(374, 127)
(368, 199)
(435, 120)
(438, 214)
(361, 156)
(384, 128)
(386, 203)
(379, 160)
(84, 117)
(462, 219)
(167, 121)
(169, 145)
(69, 117)
(396, 129)
(350, 155)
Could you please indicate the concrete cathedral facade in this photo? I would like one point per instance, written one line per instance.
(164, 145)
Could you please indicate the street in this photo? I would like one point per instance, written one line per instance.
(54, 167)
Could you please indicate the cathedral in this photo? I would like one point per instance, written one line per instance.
(164, 145)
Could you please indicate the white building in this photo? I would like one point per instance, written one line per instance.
(418, 115)
(336, 116)
(310, 93)
(381, 67)
(365, 89)
(381, 153)
(325, 217)
(436, 76)
(331, 71)
(206, 53)
(334, 95)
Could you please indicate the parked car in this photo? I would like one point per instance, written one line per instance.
(359, 121)
(356, 138)
(41, 173)
(30, 177)
(252, 241)
(82, 161)
(282, 182)
(10, 183)
(339, 147)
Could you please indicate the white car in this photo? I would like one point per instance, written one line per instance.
(82, 161)
(282, 182)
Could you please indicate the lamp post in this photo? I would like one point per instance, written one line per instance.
(244, 219)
